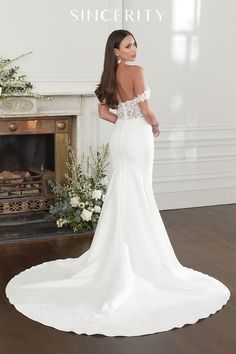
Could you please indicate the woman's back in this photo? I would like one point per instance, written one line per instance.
(125, 82)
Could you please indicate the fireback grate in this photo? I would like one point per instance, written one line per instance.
(26, 204)
(24, 193)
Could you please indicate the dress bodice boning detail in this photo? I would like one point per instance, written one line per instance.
(130, 108)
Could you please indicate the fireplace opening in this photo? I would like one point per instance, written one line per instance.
(26, 163)
(27, 152)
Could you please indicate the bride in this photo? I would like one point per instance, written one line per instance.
(129, 282)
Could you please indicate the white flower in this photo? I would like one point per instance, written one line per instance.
(81, 205)
(104, 180)
(61, 222)
(103, 197)
(74, 202)
(86, 215)
(97, 209)
(97, 194)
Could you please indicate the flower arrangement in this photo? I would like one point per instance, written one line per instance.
(11, 83)
(79, 201)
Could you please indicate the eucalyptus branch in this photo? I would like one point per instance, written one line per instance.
(8, 61)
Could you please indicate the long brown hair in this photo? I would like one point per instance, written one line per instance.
(105, 90)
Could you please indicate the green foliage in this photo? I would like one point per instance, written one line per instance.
(79, 201)
(11, 83)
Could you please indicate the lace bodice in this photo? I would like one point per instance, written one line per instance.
(130, 109)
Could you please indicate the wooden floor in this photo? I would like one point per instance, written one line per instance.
(203, 239)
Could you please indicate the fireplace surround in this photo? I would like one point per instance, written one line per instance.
(36, 145)
(28, 123)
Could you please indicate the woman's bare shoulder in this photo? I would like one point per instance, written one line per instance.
(136, 67)
(137, 70)
(132, 67)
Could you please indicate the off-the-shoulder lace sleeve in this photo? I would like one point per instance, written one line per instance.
(145, 95)
(130, 109)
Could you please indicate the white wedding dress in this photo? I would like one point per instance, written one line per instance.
(129, 282)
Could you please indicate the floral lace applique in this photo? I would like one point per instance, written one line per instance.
(130, 108)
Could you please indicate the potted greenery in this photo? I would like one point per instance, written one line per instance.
(79, 201)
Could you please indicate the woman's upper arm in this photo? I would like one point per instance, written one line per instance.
(139, 87)
(138, 80)
(102, 108)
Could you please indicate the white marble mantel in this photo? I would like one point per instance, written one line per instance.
(82, 105)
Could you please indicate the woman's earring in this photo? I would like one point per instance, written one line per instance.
(118, 60)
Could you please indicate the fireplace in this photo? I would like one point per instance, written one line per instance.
(32, 150)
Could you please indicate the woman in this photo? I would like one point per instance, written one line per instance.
(129, 282)
(128, 79)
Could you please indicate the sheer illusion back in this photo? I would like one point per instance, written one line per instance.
(129, 282)
(130, 108)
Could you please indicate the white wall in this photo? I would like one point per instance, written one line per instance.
(67, 55)
(190, 64)
(189, 60)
